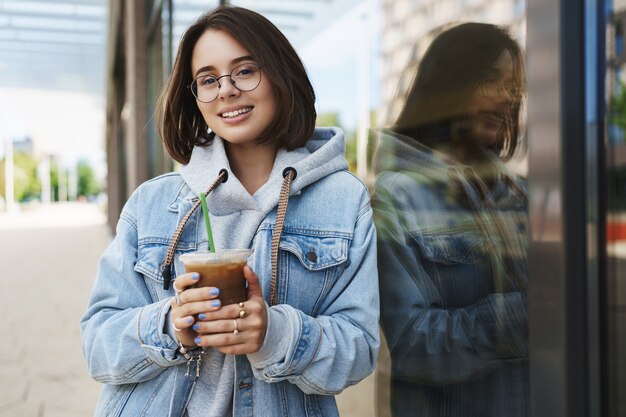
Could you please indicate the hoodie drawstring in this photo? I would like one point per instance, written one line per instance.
(166, 266)
(289, 174)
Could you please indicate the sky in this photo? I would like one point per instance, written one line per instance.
(72, 125)
(332, 60)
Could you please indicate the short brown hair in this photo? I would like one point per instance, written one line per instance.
(452, 68)
(180, 122)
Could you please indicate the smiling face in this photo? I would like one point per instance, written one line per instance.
(238, 117)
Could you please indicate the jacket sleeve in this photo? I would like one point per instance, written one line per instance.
(428, 342)
(123, 337)
(338, 348)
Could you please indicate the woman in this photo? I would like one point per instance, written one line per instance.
(238, 114)
(451, 221)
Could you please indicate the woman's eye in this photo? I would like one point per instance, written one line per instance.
(208, 81)
(245, 71)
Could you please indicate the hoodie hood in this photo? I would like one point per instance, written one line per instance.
(399, 153)
(322, 155)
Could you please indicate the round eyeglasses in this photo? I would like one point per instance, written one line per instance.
(244, 77)
(492, 88)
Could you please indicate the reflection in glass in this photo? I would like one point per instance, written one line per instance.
(451, 221)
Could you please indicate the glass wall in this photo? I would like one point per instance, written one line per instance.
(451, 209)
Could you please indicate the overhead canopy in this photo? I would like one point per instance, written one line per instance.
(61, 44)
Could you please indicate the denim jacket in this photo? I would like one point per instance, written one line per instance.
(325, 319)
(453, 281)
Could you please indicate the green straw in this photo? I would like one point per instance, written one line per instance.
(207, 223)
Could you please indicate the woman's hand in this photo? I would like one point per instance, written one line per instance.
(194, 301)
(236, 329)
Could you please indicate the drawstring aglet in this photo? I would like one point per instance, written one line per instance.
(166, 272)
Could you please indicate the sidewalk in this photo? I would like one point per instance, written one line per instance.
(49, 258)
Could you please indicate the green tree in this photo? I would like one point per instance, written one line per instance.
(328, 119)
(351, 150)
(332, 119)
(54, 182)
(27, 185)
(87, 183)
(2, 181)
(617, 107)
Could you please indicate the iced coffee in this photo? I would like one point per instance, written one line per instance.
(223, 270)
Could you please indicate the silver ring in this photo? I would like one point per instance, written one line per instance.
(241, 304)
(236, 331)
(242, 314)
(177, 293)
(176, 328)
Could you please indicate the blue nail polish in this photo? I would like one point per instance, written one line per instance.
(189, 320)
(215, 291)
(195, 276)
(202, 316)
(215, 303)
(197, 340)
(196, 327)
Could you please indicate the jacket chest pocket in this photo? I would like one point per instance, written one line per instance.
(458, 264)
(450, 248)
(308, 267)
(150, 256)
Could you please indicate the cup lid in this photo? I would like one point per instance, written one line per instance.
(227, 255)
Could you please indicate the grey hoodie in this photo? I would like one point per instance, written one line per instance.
(235, 216)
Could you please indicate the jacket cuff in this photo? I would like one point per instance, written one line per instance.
(168, 327)
(291, 343)
(272, 349)
(160, 347)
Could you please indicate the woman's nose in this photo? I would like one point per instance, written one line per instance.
(227, 88)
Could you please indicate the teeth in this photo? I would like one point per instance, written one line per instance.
(236, 112)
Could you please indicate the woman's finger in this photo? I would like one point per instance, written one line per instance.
(244, 342)
(196, 308)
(191, 295)
(254, 287)
(219, 326)
(184, 281)
(182, 323)
(239, 310)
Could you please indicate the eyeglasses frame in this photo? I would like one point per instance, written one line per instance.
(219, 85)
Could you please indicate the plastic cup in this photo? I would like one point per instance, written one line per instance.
(223, 270)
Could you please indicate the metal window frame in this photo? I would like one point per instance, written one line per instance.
(566, 165)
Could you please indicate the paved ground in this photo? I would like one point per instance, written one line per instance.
(48, 258)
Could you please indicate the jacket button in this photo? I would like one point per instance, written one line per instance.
(311, 256)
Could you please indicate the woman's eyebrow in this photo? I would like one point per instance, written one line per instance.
(233, 62)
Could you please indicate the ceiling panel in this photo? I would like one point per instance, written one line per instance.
(63, 42)
(53, 44)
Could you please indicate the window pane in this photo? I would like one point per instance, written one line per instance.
(450, 205)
